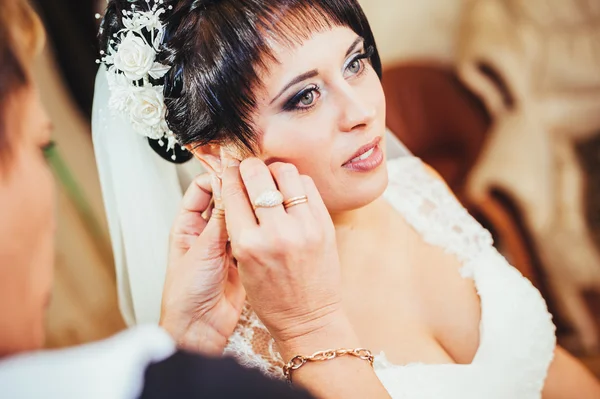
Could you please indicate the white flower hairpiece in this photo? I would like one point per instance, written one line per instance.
(132, 67)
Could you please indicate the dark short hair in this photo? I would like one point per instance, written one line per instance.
(217, 48)
(20, 35)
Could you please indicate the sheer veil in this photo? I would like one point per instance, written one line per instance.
(141, 194)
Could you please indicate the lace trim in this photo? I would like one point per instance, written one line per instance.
(252, 345)
(428, 205)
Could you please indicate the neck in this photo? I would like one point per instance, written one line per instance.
(360, 219)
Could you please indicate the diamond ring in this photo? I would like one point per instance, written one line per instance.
(268, 199)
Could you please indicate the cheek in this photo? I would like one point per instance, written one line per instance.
(373, 93)
(26, 248)
(305, 141)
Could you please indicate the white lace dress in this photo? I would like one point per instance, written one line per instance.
(517, 336)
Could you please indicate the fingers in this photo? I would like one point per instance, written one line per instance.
(195, 201)
(254, 178)
(238, 211)
(290, 184)
(198, 195)
(315, 201)
(189, 223)
(213, 241)
(258, 181)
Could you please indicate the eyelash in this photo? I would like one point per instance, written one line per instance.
(292, 104)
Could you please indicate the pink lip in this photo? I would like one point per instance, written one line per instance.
(372, 162)
(363, 149)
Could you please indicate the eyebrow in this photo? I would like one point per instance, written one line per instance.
(314, 72)
(359, 40)
(296, 80)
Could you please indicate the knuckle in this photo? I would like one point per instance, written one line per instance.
(295, 240)
(283, 169)
(307, 181)
(314, 236)
(239, 254)
(283, 243)
(241, 251)
(251, 168)
(232, 190)
(279, 241)
(245, 247)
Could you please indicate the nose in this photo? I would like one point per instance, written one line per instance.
(356, 112)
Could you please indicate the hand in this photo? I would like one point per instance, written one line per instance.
(203, 295)
(288, 259)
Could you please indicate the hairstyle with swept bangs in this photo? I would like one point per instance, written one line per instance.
(217, 49)
(21, 36)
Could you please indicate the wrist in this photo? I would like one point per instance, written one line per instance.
(195, 337)
(332, 333)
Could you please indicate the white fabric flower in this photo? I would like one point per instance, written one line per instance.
(147, 111)
(144, 19)
(134, 57)
(158, 70)
(158, 35)
(131, 61)
(121, 90)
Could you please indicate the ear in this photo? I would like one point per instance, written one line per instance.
(213, 157)
(209, 155)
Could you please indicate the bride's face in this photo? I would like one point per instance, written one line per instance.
(321, 107)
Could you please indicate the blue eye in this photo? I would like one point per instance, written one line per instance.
(308, 98)
(357, 65)
(304, 100)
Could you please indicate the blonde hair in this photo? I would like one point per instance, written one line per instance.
(21, 38)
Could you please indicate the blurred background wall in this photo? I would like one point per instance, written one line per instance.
(502, 97)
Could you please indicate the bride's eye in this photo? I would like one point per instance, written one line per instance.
(356, 66)
(304, 100)
(308, 98)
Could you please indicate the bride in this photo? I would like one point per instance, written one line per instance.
(298, 83)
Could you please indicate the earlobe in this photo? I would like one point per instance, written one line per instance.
(214, 158)
(227, 156)
(208, 155)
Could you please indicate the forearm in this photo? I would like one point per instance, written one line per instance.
(342, 377)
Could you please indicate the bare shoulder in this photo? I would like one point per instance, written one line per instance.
(567, 375)
(436, 175)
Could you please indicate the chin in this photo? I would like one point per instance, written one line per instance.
(364, 190)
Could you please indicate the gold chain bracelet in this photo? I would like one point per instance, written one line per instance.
(299, 360)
